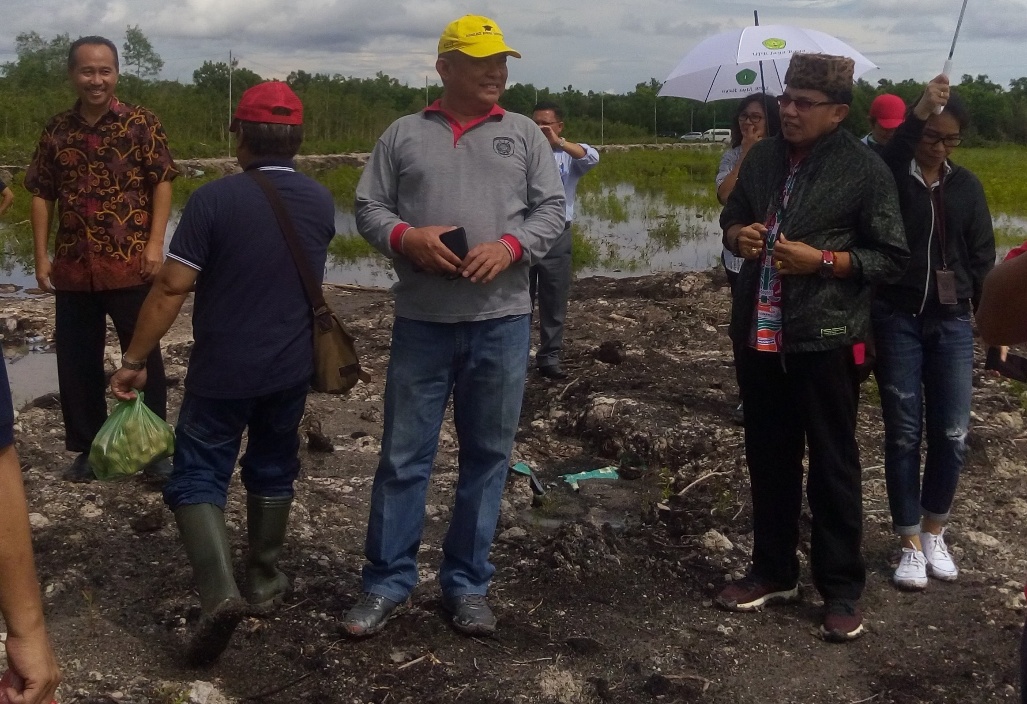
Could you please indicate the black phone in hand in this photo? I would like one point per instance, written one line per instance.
(456, 242)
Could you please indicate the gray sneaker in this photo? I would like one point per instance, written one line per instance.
(369, 615)
(471, 614)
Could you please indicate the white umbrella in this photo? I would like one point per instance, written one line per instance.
(728, 65)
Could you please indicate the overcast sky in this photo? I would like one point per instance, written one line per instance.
(598, 45)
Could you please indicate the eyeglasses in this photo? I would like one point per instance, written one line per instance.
(949, 140)
(753, 117)
(546, 124)
(802, 104)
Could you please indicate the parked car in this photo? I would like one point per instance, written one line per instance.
(717, 135)
(691, 136)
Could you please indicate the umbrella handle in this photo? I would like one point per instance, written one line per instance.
(947, 69)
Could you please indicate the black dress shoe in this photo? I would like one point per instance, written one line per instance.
(471, 614)
(369, 615)
(79, 471)
(552, 371)
(159, 471)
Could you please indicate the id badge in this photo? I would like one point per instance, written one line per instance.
(946, 282)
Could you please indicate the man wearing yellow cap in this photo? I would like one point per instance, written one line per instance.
(464, 198)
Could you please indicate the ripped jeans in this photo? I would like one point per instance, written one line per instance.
(924, 370)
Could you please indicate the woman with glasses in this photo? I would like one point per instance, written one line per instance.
(755, 118)
(923, 330)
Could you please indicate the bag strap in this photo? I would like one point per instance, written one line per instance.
(310, 284)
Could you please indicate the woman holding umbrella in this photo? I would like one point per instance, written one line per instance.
(753, 121)
(922, 327)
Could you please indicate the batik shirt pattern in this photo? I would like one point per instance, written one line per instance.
(101, 179)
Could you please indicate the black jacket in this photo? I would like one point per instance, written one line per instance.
(844, 200)
(969, 239)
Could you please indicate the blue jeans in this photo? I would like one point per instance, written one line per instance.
(483, 364)
(924, 370)
(207, 441)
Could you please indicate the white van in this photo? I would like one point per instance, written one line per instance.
(717, 135)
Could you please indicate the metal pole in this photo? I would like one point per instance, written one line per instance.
(763, 84)
(602, 119)
(229, 99)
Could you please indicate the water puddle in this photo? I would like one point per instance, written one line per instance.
(31, 375)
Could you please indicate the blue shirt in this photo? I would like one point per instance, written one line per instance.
(571, 171)
(252, 322)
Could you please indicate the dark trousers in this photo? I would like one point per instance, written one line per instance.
(812, 402)
(550, 281)
(80, 335)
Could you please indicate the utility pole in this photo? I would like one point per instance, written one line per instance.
(656, 135)
(230, 99)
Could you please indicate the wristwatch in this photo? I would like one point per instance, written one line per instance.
(827, 264)
(126, 363)
(561, 142)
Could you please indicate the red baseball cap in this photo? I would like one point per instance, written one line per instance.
(889, 111)
(273, 102)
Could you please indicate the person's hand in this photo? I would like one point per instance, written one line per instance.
(750, 241)
(554, 139)
(486, 261)
(422, 246)
(750, 135)
(791, 258)
(935, 96)
(43, 268)
(153, 257)
(124, 382)
(31, 659)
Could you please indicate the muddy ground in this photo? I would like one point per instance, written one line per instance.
(604, 595)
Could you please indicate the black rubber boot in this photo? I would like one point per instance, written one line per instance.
(266, 521)
(202, 527)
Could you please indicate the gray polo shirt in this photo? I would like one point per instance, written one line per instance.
(497, 178)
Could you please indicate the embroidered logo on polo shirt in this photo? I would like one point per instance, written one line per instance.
(504, 146)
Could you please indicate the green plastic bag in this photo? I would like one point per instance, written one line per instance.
(132, 438)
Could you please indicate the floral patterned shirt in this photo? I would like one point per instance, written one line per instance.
(101, 178)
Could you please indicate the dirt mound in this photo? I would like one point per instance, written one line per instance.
(604, 593)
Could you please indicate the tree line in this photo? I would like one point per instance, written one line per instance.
(344, 113)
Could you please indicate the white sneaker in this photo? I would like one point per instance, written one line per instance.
(912, 570)
(939, 562)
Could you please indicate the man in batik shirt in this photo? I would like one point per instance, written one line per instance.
(105, 170)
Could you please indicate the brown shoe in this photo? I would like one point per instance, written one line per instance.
(843, 621)
(753, 593)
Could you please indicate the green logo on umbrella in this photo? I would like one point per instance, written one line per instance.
(746, 77)
(774, 43)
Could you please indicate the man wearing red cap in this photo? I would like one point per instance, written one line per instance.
(104, 169)
(463, 316)
(251, 362)
(887, 112)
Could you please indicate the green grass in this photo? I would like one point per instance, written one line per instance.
(342, 182)
(1001, 172)
(671, 189)
(350, 248)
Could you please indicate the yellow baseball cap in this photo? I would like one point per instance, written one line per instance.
(475, 36)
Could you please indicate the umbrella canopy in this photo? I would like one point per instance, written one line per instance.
(727, 65)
